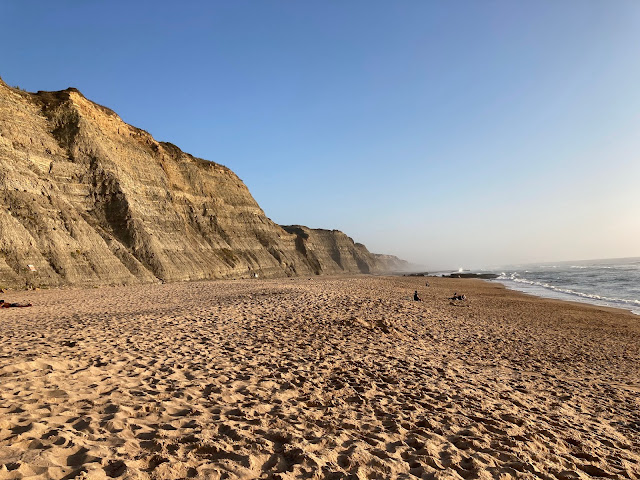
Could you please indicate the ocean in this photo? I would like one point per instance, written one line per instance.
(611, 283)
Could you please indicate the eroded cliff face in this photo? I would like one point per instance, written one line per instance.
(331, 251)
(87, 199)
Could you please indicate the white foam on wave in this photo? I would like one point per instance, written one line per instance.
(633, 305)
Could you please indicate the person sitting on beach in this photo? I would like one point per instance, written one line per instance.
(4, 304)
(458, 297)
(416, 297)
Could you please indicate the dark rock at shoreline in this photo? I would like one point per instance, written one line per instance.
(483, 276)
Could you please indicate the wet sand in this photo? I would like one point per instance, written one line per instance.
(316, 378)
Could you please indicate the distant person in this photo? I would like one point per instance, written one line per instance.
(416, 297)
(4, 304)
(458, 297)
(426, 284)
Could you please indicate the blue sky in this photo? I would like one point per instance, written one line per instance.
(451, 133)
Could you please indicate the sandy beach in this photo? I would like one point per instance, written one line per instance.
(324, 378)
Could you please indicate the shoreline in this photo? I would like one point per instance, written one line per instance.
(321, 377)
(568, 301)
(565, 297)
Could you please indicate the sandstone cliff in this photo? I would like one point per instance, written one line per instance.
(391, 263)
(86, 199)
(331, 251)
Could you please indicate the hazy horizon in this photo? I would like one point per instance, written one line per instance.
(494, 268)
(464, 134)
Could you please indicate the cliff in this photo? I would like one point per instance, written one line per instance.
(86, 199)
(391, 263)
(331, 251)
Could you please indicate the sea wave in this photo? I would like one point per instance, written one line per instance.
(515, 277)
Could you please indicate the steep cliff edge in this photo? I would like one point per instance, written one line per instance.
(86, 199)
(331, 251)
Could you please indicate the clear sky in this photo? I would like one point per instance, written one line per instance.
(451, 133)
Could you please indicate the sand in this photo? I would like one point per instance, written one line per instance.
(316, 378)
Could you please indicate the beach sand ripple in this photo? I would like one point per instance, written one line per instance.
(332, 378)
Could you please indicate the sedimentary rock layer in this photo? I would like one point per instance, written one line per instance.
(86, 199)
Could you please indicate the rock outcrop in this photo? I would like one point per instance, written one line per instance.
(331, 251)
(86, 199)
(393, 264)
